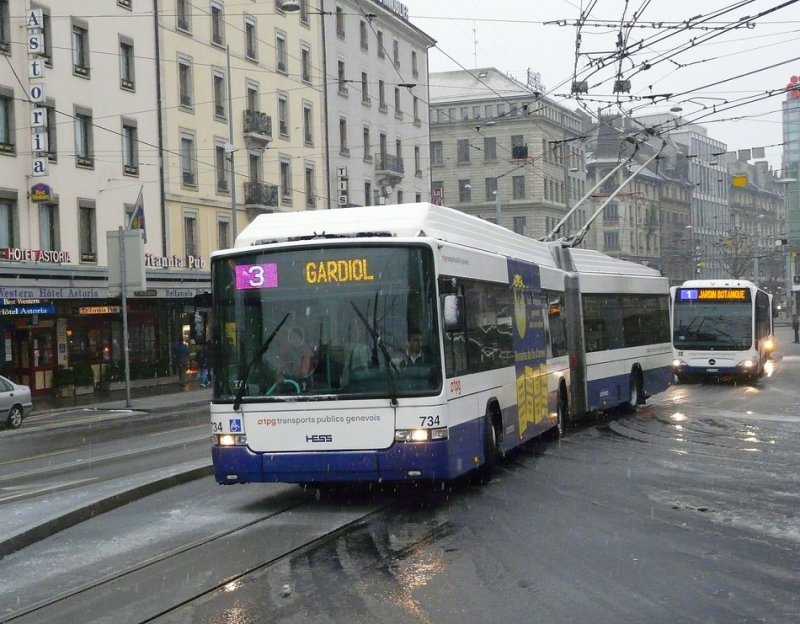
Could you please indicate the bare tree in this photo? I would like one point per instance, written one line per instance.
(737, 252)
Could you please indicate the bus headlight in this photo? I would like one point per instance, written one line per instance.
(678, 364)
(420, 435)
(769, 344)
(746, 364)
(229, 439)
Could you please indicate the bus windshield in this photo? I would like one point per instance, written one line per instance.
(325, 322)
(718, 326)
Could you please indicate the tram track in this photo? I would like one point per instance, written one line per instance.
(107, 592)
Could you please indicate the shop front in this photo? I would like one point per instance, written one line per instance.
(61, 330)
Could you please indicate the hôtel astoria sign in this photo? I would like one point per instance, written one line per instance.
(56, 256)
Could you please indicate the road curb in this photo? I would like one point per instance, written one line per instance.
(97, 507)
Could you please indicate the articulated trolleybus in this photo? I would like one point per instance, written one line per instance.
(721, 329)
(414, 342)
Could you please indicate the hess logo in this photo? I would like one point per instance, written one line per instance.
(320, 437)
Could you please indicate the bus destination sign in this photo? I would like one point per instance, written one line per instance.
(714, 294)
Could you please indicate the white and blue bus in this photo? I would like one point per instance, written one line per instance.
(721, 329)
(313, 312)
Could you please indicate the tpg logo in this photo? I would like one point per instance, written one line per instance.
(320, 437)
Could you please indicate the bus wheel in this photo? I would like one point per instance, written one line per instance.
(563, 413)
(635, 396)
(491, 443)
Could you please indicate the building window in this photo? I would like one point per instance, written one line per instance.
(220, 95)
(224, 233)
(611, 241)
(190, 237)
(130, 147)
(8, 218)
(339, 22)
(304, 12)
(221, 167)
(183, 15)
(437, 153)
(365, 88)
(311, 193)
(415, 109)
(491, 189)
(185, 82)
(52, 143)
(254, 166)
(381, 49)
(520, 225)
(253, 100)
(343, 149)
(464, 191)
(45, 50)
(519, 149)
(5, 28)
(283, 115)
(188, 161)
(308, 123)
(399, 196)
(396, 53)
(250, 38)
(382, 96)
(340, 75)
(88, 230)
(397, 109)
(7, 121)
(414, 68)
(518, 187)
(83, 138)
(417, 162)
(286, 179)
(217, 24)
(462, 150)
(367, 145)
(126, 60)
(281, 54)
(364, 38)
(48, 227)
(367, 193)
(80, 49)
(305, 61)
(489, 148)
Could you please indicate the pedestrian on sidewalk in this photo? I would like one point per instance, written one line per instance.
(796, 327)
(181, 354)
(203, 366)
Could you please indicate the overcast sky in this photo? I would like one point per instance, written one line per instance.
(513, 36)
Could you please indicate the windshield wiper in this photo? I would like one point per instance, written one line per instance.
(376, 337)
(237, 400)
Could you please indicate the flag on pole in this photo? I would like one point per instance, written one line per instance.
(137, 216)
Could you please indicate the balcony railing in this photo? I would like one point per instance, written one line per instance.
(389, 164)
(261, 194)
(257, 128)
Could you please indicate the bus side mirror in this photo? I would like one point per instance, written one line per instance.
(454, 313)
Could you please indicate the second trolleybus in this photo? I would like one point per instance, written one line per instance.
(312, 315)
(721, 329)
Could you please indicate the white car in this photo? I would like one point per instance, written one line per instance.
(15, 402)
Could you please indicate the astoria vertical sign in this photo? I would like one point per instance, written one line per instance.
(34, 24)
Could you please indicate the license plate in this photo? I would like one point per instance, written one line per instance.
(712, 370)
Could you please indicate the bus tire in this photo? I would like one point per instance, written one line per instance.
(562, 411)
(635, 391)
(492, 444)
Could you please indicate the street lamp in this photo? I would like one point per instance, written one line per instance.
(294, 6)
(230, 150)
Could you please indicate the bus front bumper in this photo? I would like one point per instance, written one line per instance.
(714, 367)
(400, 462)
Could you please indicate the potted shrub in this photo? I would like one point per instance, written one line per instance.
(63, 382)
(83, 378)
